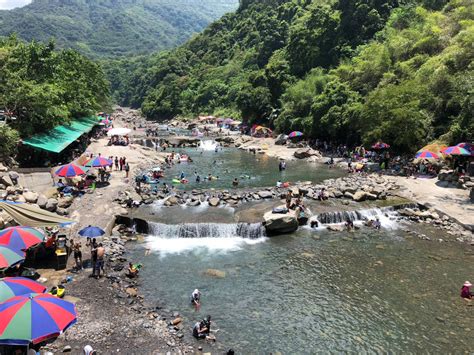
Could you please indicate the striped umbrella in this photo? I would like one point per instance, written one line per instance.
(381, 145)
(467, 146)
(70, 170)
(295, 134)
(456, 150)
(9, 257)
(33, 318)
(20, 238)
(16, 286)
(98, 162)
(426, 154)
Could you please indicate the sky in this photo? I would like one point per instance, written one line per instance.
(10, 4)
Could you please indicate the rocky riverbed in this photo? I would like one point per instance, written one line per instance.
(114, 316)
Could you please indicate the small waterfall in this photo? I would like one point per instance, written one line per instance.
(208, 145)
(386, 215)
(207, 230)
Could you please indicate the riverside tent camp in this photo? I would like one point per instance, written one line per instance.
(58, 138)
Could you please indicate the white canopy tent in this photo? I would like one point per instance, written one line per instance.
(118, 132)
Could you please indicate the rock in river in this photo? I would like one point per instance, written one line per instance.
(214, 201)
(280, 223)
(215, 273)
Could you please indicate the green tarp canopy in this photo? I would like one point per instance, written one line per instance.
(57, 139)
(31, 216)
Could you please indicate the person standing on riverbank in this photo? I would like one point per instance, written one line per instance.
(127, 169)
(100, 259)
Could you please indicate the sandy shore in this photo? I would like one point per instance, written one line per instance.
(453, 202)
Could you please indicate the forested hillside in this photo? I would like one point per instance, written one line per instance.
(43, 87)
(111, 28)
(345, 70)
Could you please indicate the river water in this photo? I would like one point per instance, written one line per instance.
(250, 170)
(316, 291)
(313, 291)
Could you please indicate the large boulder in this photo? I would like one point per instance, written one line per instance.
(42, 201)
(281, 139)
(6, 180)
(30, 196)
(65, 202)
(363, 195)
(214, 201)
(171, 201)
(265, 194)
(304, 153)
(279, 223)
(51, 205)
(226, 139)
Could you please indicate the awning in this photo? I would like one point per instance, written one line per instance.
(57, 139)
(31, 216)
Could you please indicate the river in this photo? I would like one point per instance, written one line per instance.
(313, 291)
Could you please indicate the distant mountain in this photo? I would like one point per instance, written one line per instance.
(112, 28)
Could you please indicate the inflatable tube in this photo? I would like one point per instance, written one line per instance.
(184, 181)
(176, 181)
(285, 184)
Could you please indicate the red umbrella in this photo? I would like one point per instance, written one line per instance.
(33, 318)
(20, 238)
(455, 150)
(70, 170)
(16, 286)
(381, 145)
(98, 162)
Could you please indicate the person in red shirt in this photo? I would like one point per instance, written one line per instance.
(466, 290)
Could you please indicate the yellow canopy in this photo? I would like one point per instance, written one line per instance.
(31, 216)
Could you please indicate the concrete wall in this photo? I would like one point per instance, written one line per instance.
(38, 182)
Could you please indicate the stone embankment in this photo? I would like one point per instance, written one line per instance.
(356, 187)
(51, 201)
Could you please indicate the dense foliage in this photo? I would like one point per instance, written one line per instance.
(108, 28)
(346, 70)
(43, 87)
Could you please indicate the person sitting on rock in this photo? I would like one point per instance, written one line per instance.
(349, 225)
(322, 195)
(466, 291)
(200, 330)
(132, 271)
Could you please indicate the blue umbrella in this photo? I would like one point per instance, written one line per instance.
(91, 232)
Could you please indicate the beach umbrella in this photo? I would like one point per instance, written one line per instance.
(295, 134)
(9, 257)
(20, 238)
(98, 162)
(467, 146)
(33, 318)
(456, 150)
(381, 145)
(70, 170)
(425, 154)
(16, 286)
(91, 232)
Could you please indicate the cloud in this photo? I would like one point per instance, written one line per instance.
(10, 4)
